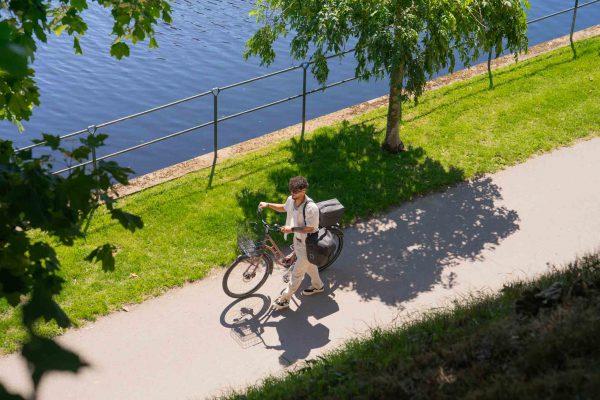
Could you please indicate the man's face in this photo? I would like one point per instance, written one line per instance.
(298, 194)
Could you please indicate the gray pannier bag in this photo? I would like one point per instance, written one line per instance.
(320, 245)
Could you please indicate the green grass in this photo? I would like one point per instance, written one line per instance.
(536, 340)
(455, 133)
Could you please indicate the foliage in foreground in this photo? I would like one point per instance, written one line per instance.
(32, 199)
(537, 339)
(25, 24)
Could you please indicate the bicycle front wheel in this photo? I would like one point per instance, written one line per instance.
(246, 275)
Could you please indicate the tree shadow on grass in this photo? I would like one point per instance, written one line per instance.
(347, 162)
(386, 259)
(394, 257)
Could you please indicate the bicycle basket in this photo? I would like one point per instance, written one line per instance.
(248, 246)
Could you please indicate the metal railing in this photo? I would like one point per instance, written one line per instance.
(217, 90)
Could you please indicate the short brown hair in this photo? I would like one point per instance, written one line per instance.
(297, 183)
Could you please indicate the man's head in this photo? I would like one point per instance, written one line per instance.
(298, 186)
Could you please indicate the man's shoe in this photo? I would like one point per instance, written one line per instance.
(311, 290)
(281, 304)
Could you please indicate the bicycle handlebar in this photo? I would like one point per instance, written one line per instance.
(273, 228)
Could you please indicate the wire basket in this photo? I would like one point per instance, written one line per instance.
(248, 246)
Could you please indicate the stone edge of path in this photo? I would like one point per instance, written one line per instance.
(204, 161)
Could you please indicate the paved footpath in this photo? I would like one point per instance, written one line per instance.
(195, 342)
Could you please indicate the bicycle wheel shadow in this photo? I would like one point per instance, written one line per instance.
(252, 322)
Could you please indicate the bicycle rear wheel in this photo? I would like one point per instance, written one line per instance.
(246, 275)
(338, 236)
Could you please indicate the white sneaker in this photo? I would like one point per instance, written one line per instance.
(280, 304)
(311, 290)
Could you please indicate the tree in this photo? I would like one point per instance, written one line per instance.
(32, 199)
(407, 40)
(498, 25)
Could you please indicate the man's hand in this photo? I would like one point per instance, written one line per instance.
(262, 204)
(286, 229)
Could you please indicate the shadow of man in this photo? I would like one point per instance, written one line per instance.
(297, 335)
(252, 323)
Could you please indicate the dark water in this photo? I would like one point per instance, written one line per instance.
(200, 50)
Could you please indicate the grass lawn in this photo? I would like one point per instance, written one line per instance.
(455, 133)
(536, 340)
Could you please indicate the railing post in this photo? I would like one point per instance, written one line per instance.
(304, 68)
(215, 93)
(92, 131)
(573, 28)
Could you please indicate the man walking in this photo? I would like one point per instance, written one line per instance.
(296, 206)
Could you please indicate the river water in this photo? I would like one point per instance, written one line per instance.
(200, 50)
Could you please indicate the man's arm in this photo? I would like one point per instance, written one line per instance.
(273, 206)
(298, 229)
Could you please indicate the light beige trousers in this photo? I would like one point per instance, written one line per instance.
(301, 267)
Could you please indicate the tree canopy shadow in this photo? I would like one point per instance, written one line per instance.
(394, 257)
(347, 163)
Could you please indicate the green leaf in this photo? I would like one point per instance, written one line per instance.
(152, 44)
(44, 355)
(119, 50)
(52, 141)
(79, 5)
(59, 30)
(77, 46)
(80, 153)
(104, 254)
(120, 174)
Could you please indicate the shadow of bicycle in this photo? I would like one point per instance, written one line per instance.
(253, 322)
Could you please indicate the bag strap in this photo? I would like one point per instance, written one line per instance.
(304, 211)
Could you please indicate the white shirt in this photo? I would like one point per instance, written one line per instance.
(295, 217)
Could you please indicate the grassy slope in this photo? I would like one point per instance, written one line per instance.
(454, 134)
(485, 348)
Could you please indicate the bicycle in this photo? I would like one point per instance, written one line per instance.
(255, 263)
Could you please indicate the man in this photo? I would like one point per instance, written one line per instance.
(295, 223)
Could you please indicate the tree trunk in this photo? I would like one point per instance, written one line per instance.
(489, 67)
(392, 142)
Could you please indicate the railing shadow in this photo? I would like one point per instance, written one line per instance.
(424, 102)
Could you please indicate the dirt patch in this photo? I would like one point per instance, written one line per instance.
(204, 161)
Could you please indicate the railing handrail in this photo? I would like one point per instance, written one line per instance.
(217, 90)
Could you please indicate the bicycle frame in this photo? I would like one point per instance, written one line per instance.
(270, 245)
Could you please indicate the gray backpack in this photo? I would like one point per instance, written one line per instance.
(330, 212)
